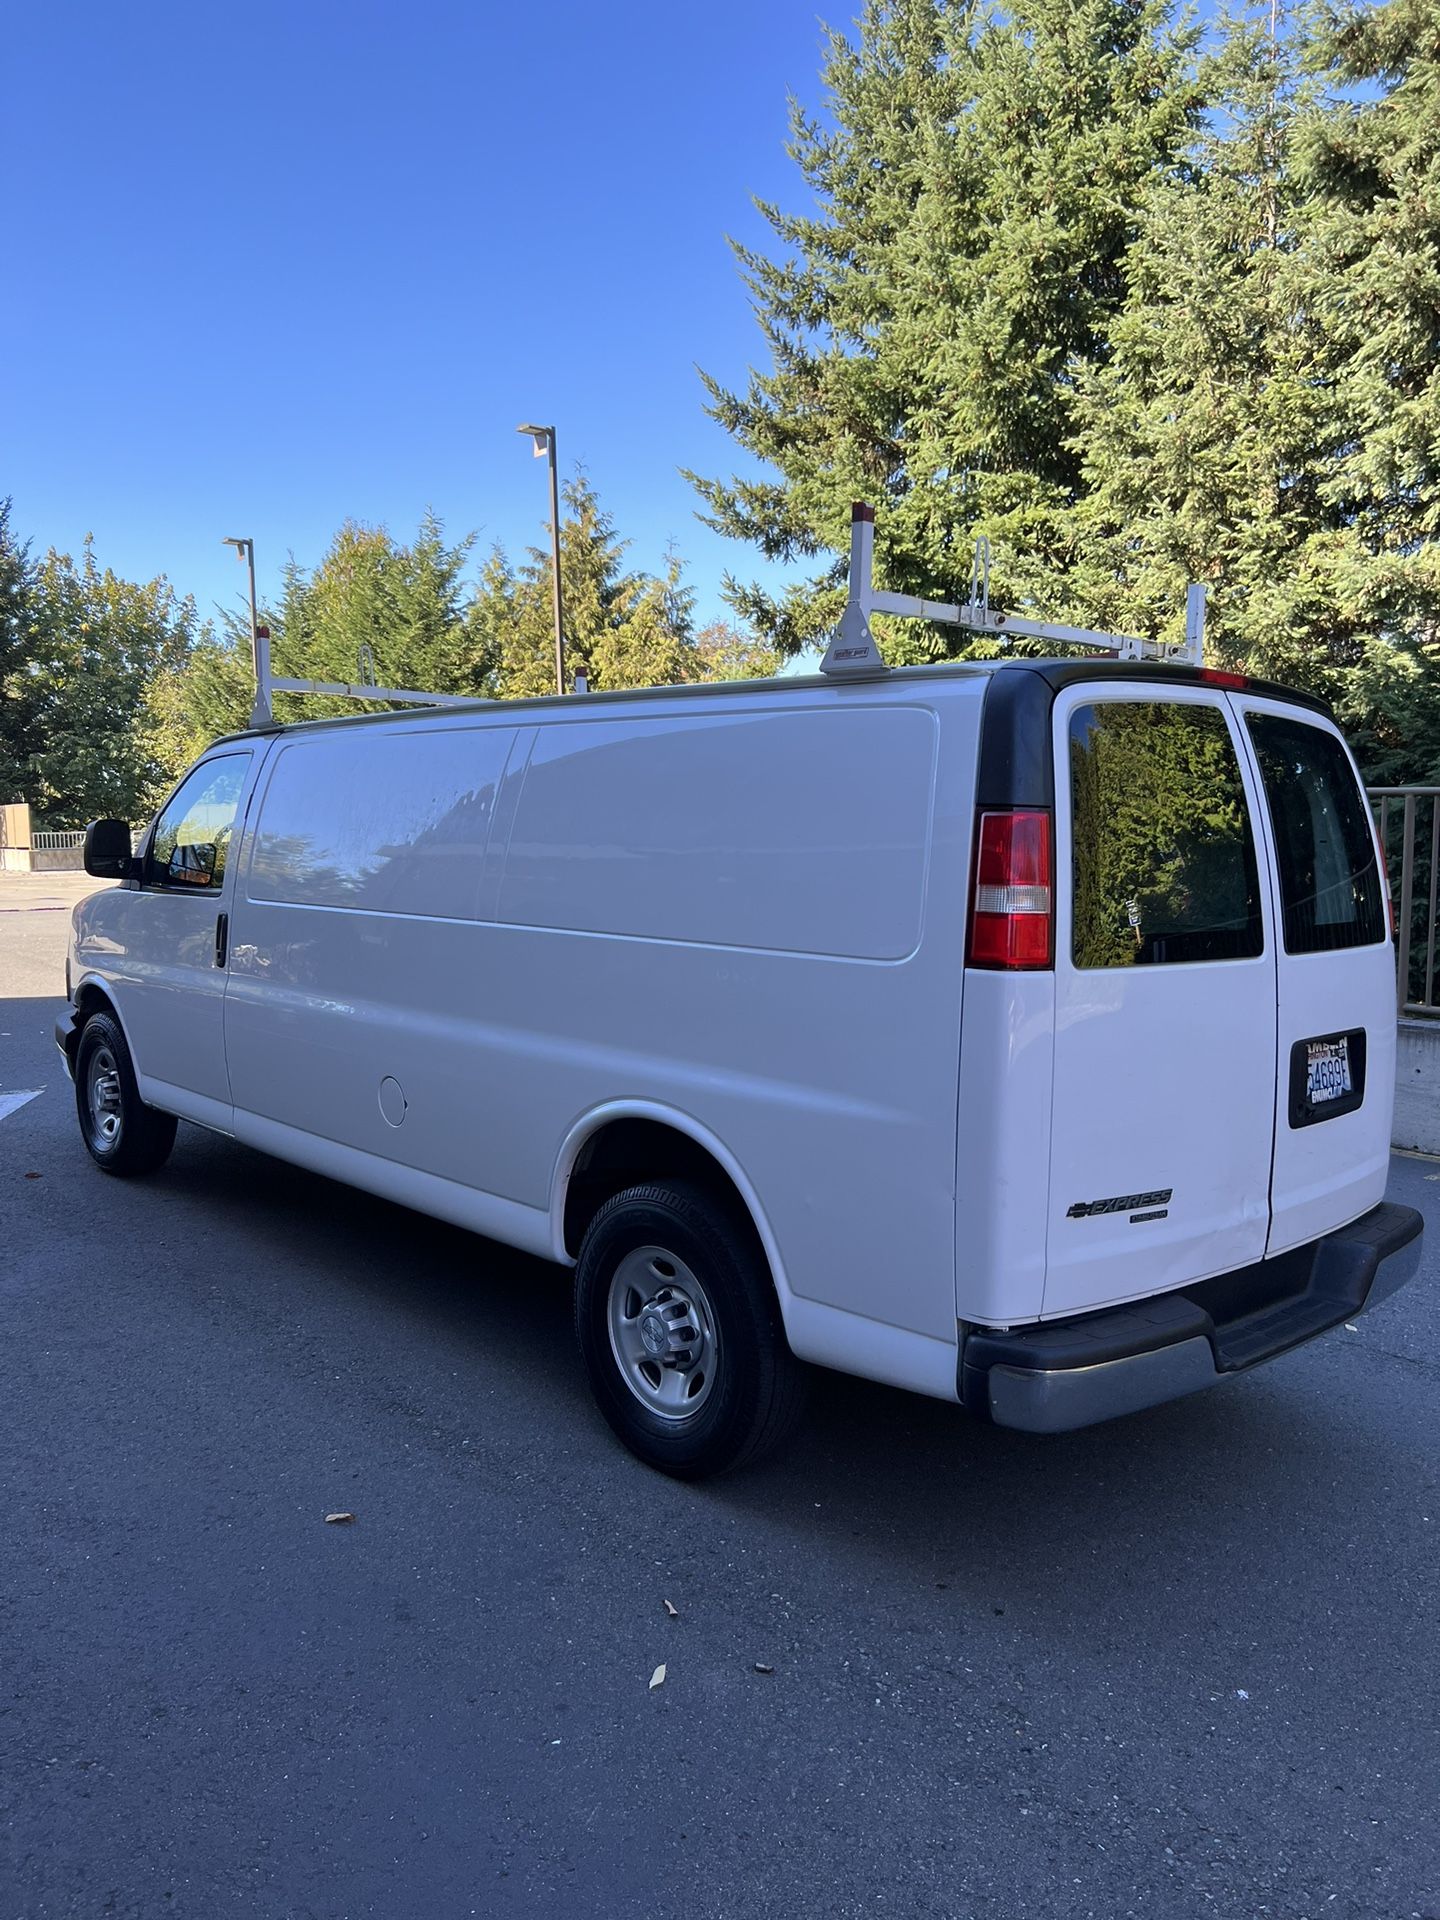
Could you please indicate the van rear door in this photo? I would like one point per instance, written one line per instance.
(1165, 1063)
(1335, 1059)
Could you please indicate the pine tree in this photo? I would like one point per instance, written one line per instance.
(979, 179)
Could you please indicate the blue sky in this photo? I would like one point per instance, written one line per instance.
(275, 265)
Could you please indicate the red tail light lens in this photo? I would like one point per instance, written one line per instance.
(1012, 922)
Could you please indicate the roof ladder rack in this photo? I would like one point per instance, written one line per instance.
(852, 649)
(266, 686)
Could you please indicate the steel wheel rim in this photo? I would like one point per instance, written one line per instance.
(103, 1100)
(662, 1333)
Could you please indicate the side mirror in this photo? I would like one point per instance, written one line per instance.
(107, 850)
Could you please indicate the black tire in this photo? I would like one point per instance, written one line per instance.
(121, 1134)
(752, 1390)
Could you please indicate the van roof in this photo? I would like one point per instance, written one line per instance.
(1054, 673)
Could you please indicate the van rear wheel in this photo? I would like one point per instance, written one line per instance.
(680, 1332)
(121, 1134)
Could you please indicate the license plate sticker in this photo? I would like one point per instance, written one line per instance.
(1327, 1071)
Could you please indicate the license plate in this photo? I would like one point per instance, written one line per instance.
(1327, 1077)
(1327, 1071)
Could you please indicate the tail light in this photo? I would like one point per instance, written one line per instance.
(1012, 918)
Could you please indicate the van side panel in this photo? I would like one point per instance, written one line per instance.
(739, 920)
(757, 924)
(766, 831)
(342, 975)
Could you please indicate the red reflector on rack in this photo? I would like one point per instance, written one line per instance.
(1012, 920)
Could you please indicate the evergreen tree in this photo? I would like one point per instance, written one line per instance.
(653, 644)
(1201, 441)
(1369, 164)
(410, 606)
(192, 703)
(979, 180)
(624, 629)
(1270, 418)
(400, 609)
(20, 685)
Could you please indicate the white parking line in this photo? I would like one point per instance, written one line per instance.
(10, 1101)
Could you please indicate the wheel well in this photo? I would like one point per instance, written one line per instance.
(90, 999)
(629, 1153)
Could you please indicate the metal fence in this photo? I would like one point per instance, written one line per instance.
(1409, 822)
(43, 840)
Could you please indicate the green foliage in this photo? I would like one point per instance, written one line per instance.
(20, 685)
(979, 178)
(624, 629)
(191, 703)
(724, 652)
(409, 609)
(1268, 419)
(96, 644)
(1200, 433)
(1368, 158)
(1140, 312)
(406, 604)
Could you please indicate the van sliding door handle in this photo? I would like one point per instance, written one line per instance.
(222, 938)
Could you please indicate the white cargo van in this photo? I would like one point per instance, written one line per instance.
(1022, 1034)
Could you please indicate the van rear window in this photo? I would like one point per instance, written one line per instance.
(1330, 888)
(1164, 857)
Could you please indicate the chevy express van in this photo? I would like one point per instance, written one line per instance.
(1022, 1034)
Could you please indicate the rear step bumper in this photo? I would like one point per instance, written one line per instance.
(1073, 1373)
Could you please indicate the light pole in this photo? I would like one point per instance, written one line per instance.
(245, 550)
(544, 438)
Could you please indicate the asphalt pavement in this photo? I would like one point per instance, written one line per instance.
(1184, 1665)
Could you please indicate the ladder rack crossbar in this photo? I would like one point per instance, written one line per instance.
(343, 690)
(1001, 626)
(853, 649)
(266, 685)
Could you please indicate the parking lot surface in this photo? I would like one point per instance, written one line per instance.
(1181, 1665)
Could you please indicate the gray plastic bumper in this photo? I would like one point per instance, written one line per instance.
(1073, 1373)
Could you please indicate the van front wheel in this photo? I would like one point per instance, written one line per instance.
(121, 1134)
(680, 1332)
